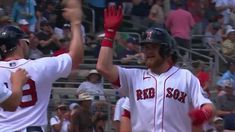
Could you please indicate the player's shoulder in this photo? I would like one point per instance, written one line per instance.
(52, 58)
(132, 70)
(185, 72)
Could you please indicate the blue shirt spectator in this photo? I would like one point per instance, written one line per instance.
(24, 9)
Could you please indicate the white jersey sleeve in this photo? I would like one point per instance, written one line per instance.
(5, 93)
(118, 109)
(196, 92)
(126, 104)
(55, 67)
(126, 77)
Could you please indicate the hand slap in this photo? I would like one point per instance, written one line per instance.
(112, 20)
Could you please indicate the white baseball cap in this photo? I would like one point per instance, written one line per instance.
(93, 72)
(73, 106)
(23, 22)
(229, 30)
(228, 83)
(217, 119)
(84, 96)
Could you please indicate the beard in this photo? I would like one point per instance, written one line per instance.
(154, 62)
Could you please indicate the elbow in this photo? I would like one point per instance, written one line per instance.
(100, 68)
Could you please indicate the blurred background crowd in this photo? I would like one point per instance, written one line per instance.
(203, 30)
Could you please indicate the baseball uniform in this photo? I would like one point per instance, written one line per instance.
(36, 93)
(5, 93)
(160, 103)
(118, 109)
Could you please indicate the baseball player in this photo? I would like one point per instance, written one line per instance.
(10, 99)
(31, 115)
(162, 98)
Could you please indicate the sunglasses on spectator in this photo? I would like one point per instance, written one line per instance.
(62, 108)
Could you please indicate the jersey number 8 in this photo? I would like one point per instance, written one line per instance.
(31, 91)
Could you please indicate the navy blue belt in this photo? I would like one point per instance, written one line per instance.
(34, 129)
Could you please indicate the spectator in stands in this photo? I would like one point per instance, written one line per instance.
(156, 15)
(204, 78)
(132, 52)
(49, 13)
(65, 32)
(180, 23)
(34, 52)
(92, 86)
(5, 20)
(212, 35)
(140, 12)
(24, 25)
(47, 39)
(228, 75)
(60, 122)
(98, 6)
(99, 121)
(73, 107)
(226, 105)
(225, 8)
(219, 124)
(64, 47)
(25, 9)
(196, 9)
(228, 46)
(81, 120)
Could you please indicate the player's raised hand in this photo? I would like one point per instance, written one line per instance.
(72, 11)
(19, 77)
(112, 20)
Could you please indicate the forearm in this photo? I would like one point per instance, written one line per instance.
(76, 45)
(105, 64)
(222, 112)
(14, 100)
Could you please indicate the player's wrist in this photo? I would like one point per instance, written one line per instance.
(75, 23)
(110, 33)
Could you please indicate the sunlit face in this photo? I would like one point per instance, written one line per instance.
(153, 60)
(94, 78)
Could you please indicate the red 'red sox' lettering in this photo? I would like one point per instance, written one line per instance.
(176, 94)
(145, 94)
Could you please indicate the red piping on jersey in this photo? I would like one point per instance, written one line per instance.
(126, 114)
(164, 95)
(155, 104)
(117, 82)
(16, 66)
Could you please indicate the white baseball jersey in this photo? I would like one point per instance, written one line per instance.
(118, 109)
(5, 93)
(126, 104)
(161, 103)
(36, 93)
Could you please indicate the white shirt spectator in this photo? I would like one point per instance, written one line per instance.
(91, 88)
(55, 120)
